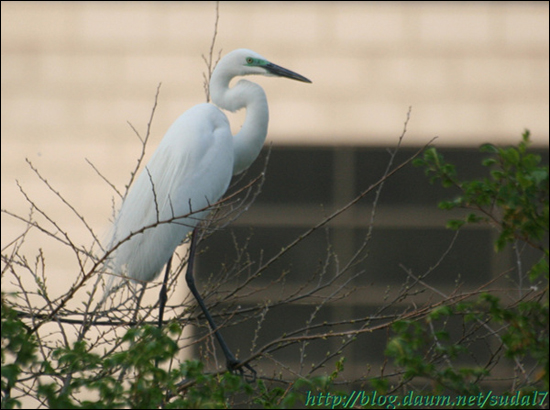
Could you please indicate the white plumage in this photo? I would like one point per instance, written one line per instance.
(191, 169)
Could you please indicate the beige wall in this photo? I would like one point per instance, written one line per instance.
(74, 73)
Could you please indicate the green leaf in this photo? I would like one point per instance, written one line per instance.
(473, 218)
(539, 175)
(539, 269)
(489, 148)
(510, 155)
(498, 174)
(440, 311)
(455, 224)
(446, 205)
(488, 162)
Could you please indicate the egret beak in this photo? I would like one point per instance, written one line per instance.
(283, 72)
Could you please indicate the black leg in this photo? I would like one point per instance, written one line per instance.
(163, 295)
(232, 362)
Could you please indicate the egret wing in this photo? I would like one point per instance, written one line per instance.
(190, 170)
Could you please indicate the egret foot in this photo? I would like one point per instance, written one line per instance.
(235, 366)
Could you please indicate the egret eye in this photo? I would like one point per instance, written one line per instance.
(249, 60)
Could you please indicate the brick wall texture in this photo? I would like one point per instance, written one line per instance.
(74, 73)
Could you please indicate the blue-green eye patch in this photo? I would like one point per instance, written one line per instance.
(255, 62)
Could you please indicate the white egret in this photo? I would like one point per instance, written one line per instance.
(190, 170)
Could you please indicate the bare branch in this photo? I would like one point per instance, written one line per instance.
(144, 142)
(103, 177)
(210, 64)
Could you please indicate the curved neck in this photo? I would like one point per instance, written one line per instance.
(248, 142)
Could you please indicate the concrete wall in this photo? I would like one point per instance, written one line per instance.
(74, 73)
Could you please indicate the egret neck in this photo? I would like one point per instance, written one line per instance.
(248, 142)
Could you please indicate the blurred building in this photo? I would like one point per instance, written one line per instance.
(74, 74)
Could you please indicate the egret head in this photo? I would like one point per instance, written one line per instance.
(247, 62)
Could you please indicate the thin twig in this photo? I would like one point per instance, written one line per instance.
(209, 61)
(144, 142)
